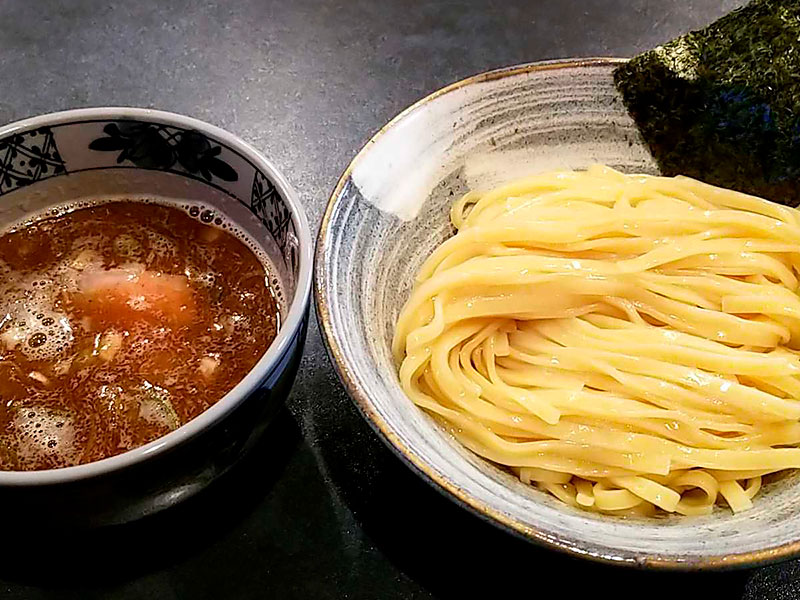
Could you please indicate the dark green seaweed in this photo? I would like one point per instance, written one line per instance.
(722, 104)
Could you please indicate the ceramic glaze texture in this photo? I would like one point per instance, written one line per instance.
(387, 214)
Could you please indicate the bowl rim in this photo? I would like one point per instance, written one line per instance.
(408, 455)
(292, 322)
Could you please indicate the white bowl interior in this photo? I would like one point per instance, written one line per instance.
(391, 210)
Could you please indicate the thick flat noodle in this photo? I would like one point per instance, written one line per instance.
(626, 343)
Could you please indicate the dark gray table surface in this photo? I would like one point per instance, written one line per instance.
(322, 509)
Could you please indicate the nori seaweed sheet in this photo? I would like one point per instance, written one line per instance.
(722, 104)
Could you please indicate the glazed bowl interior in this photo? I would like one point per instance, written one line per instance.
(391, 209)
(56, 160)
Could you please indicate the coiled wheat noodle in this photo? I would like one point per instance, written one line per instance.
(627, 343)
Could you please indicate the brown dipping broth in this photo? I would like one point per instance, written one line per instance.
(119, 322)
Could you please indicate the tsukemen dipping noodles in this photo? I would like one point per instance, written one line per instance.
(120, 321)
(628, 343)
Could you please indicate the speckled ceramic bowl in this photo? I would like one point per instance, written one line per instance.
(390, 210)
(56, 159)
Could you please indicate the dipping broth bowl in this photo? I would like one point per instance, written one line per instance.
(390, 210)
(63, 157)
